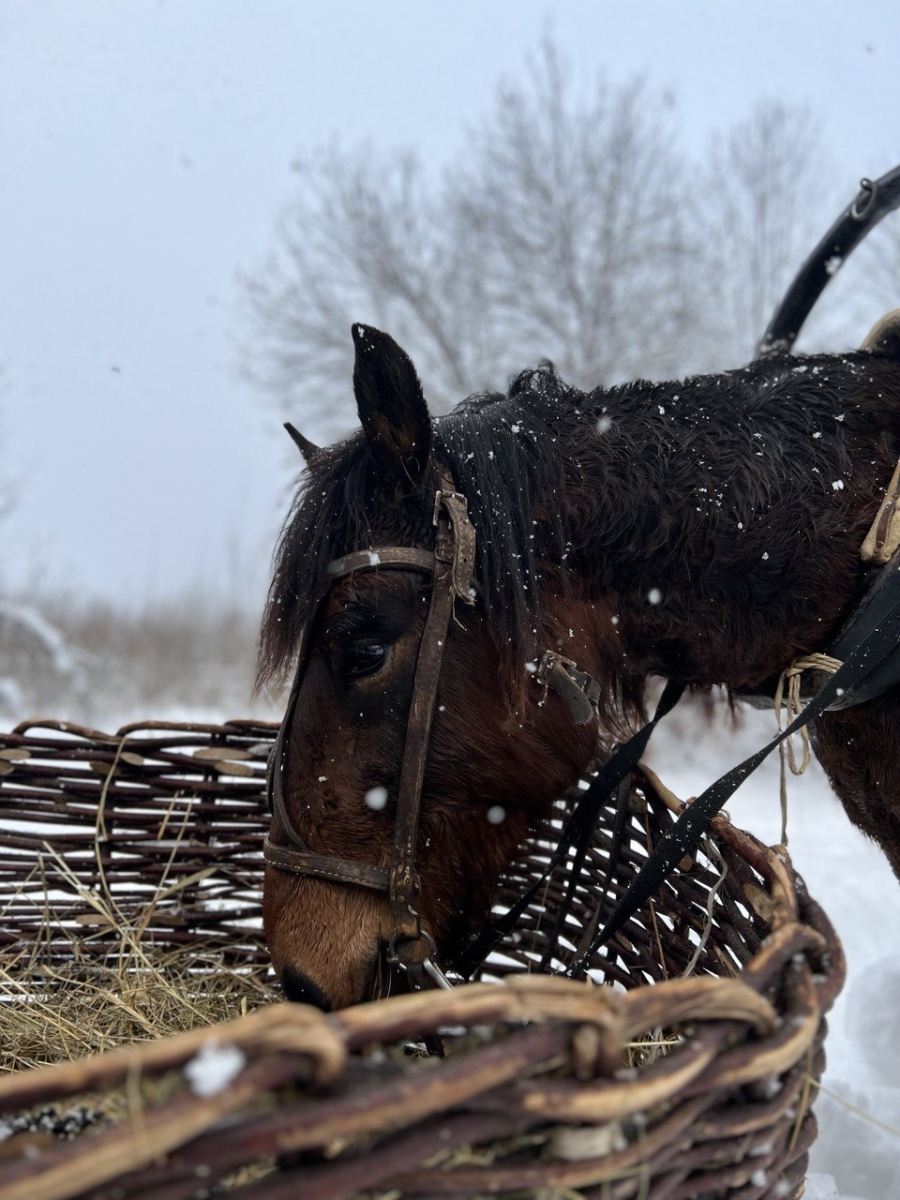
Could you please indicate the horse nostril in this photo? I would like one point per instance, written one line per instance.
(301, 989)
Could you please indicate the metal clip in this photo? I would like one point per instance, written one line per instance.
(578, 691)
(550, 660)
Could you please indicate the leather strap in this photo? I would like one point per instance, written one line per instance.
(403, 558)
(338, 870)
(454, 562)
(451, 566)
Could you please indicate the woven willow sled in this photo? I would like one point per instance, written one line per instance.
(698, 1087)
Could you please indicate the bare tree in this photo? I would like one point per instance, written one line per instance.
(571, 227)
(558, 233)
(877, 279)
(579, 205)
(364, 240)
(765, 198)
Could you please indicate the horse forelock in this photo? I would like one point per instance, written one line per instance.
(502, 453)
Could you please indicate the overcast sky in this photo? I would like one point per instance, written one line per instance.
(145, 153)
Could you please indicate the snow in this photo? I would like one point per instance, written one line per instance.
(857, 1153)
(820, 1187)
(376, 797)
(213, 1068)
(496, 814)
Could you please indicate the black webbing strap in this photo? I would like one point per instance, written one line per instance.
(685, 835)
(873, 202)
(577, 832)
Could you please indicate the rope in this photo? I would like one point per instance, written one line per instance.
(787, 697)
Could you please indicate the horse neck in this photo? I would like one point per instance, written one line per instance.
(673, 582)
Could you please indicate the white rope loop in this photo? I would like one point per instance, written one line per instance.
(788, 699)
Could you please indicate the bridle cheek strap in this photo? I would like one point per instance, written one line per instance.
(451, 567)
(454, 564)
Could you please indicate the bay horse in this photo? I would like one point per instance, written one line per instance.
(705, 530)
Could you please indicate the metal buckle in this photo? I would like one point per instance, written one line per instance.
(441, 498)
(549, 661)
(433, 971)
(455, 541)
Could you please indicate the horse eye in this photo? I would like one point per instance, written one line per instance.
(364, 657)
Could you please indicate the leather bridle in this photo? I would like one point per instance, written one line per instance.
(451, 566)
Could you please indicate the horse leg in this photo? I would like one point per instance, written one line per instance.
(860, 751)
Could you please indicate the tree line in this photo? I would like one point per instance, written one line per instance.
(571, 227)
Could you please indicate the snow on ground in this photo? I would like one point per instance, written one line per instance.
(857, 1154)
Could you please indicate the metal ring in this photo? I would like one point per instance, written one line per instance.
(433, 971)
(869, 190)
(394, 959)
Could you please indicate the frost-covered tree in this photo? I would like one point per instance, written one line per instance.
(765, 197)
(570, 226)
(556, 232)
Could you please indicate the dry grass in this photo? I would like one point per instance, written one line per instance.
(57, 1014)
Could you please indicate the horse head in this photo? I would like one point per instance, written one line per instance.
(497, 747)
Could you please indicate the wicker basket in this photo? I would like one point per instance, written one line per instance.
(697, 1087)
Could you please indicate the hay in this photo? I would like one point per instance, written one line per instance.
(129, 904)
(171, 992)
(52, 1015)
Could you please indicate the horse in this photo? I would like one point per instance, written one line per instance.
(705, 530)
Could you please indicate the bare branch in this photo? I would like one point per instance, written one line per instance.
(570, 228)
(766, 198)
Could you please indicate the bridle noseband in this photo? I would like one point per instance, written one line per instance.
(451, 566)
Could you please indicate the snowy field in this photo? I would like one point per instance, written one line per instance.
(857, 1155)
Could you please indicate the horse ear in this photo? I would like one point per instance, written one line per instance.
(307, 448)
(884, 336)
(389, 398)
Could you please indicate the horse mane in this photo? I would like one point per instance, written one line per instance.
(503, 454)
(712, 489)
